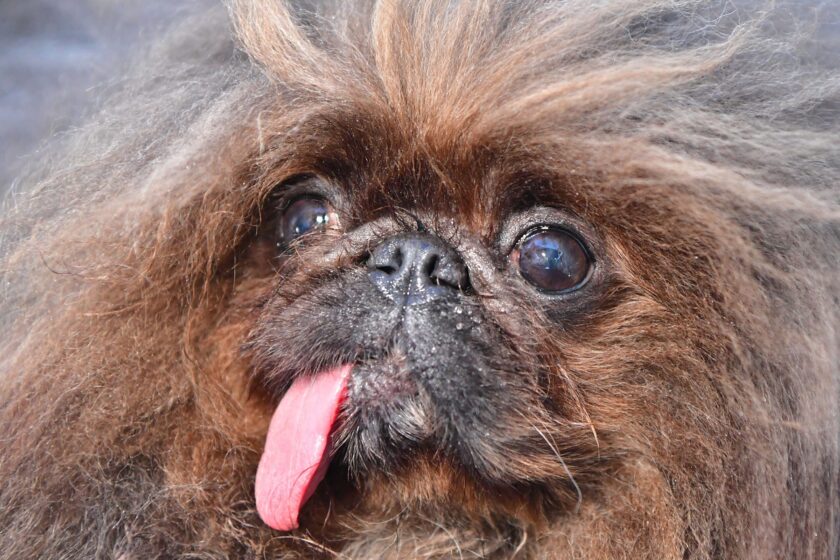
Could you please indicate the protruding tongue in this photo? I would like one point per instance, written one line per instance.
(297, 448)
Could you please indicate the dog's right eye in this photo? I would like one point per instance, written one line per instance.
(303, 216)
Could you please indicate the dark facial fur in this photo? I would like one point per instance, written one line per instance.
(434, 373)
(681, 403)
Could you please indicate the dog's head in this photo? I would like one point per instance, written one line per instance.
(471, 320)
(484, 291)
(444, 298)
(438, 267)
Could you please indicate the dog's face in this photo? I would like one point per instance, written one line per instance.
(442, 327)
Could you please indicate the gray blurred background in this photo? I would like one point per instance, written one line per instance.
(55, 55)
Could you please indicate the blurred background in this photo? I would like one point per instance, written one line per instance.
(55, 55)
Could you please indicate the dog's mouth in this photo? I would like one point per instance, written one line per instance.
(299, 445)
(318, 414)
(371, 392)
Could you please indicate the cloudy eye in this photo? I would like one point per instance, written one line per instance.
(552, 259)
(303, 216)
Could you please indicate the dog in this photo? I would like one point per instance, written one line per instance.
(426, 279)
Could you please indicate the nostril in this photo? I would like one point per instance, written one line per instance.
(386, 259)
(398, 258)
(450, 275)
(393, 264)
(429, 266)
(446, 270)
(387, 269)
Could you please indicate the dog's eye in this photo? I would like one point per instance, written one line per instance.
(552, 259)
(304, 216)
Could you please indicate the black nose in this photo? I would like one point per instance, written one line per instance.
(415, 268)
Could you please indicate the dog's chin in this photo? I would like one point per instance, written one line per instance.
(393, 453)
(426, 483)
(436, 410)
(387, 417)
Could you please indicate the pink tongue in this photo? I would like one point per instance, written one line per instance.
(297, 448)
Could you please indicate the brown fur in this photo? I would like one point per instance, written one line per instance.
(695, 400)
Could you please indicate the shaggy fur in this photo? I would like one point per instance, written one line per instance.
(689, 408)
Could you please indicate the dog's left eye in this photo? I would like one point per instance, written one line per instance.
(304, 216)
(552, 259)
